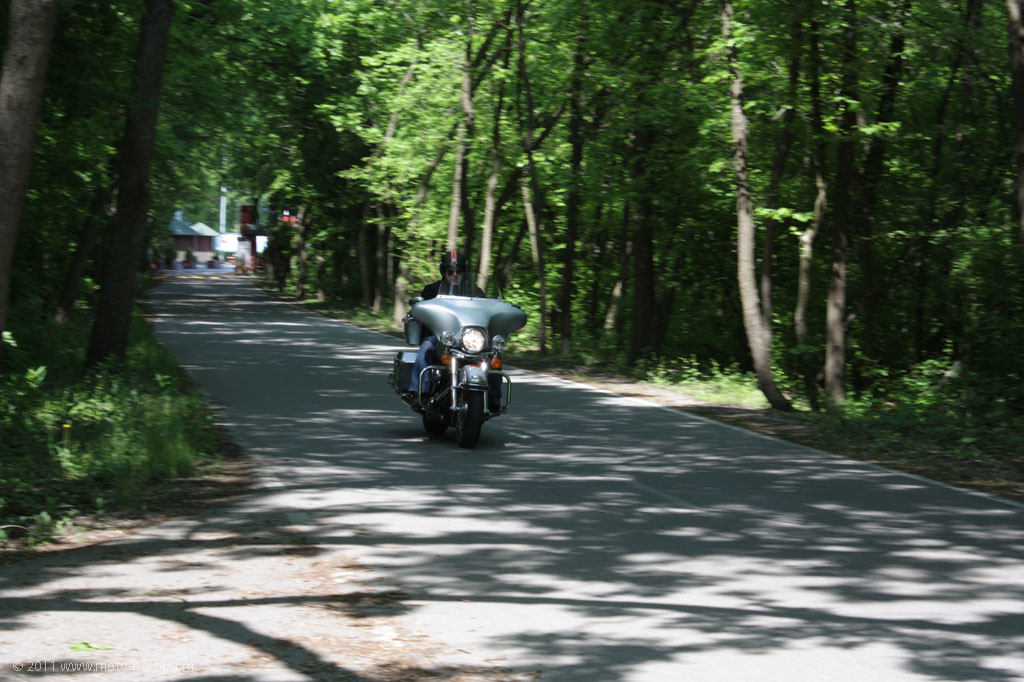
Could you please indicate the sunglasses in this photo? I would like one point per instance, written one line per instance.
(453, 271)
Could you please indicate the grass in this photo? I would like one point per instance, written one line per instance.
(946, 440)
(77, 442)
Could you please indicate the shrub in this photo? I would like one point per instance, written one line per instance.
(71, 439)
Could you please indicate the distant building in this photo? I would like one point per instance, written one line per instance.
(197, 237)
(227, 242)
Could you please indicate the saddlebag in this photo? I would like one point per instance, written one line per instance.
(402, 373)
(413, 331)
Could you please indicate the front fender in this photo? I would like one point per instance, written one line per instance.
(473, 377)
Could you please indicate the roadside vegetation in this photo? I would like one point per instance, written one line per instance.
(90, 441)
(816, 202)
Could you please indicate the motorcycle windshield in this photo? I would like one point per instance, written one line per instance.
(464, 287)
(452, 312)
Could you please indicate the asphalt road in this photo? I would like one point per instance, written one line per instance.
(588, 538)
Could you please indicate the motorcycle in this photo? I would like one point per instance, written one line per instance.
(471, 330)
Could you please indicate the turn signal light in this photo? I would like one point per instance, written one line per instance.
(446, 359)
(496, 363)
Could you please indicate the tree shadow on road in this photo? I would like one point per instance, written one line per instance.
(589, 536)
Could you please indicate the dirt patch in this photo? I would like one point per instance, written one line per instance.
(382, 646)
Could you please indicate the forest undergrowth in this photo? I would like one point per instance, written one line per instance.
(91, 441)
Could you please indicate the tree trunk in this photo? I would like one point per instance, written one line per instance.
(753, 322)
(463, 141)
(380, 255)
(389, 262)
(613, 315)
(456, 203)
(362, 247)
(401, 290)
(490, 204)
(114, 309)
(599, 249)
(642, 343)
(301, 232)
(923, 260)
(526, 121)
(773, 194)
(642, 339)
(490, 211)
(26, 57)
(537, 250)
(483, 61)
(573, 202)
(835, 318)
(1016, 29)
(401, 281)
(872, 175)
(1015, 9)
(98, 212)
(321, 275)
(803, 293)
(507, 264)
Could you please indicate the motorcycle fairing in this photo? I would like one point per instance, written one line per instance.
(452, 313)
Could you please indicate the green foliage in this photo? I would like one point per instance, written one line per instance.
(74, 442)
(935, 414)
(348, 110)
(727, 385)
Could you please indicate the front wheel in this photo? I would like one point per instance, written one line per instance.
(435, 425)
(467, 428)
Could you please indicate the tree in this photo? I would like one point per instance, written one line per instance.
(87, 239)
(530, 184)
(611, 117)
(758, 337)
(810, 232)
(842, 217)
(26, 57)
(490, 198)
(574, 201)
(1015, 12)
(114, 309)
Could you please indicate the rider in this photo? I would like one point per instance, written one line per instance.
(453, 268)
(453, 280)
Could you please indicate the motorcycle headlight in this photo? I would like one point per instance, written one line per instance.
(473, 340)
(447, 339)
(498, 342)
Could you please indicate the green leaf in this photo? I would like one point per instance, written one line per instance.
(35, 377)
(85, 646)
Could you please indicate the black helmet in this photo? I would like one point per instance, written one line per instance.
(453, 259)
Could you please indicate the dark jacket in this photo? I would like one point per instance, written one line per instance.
(432, 289)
